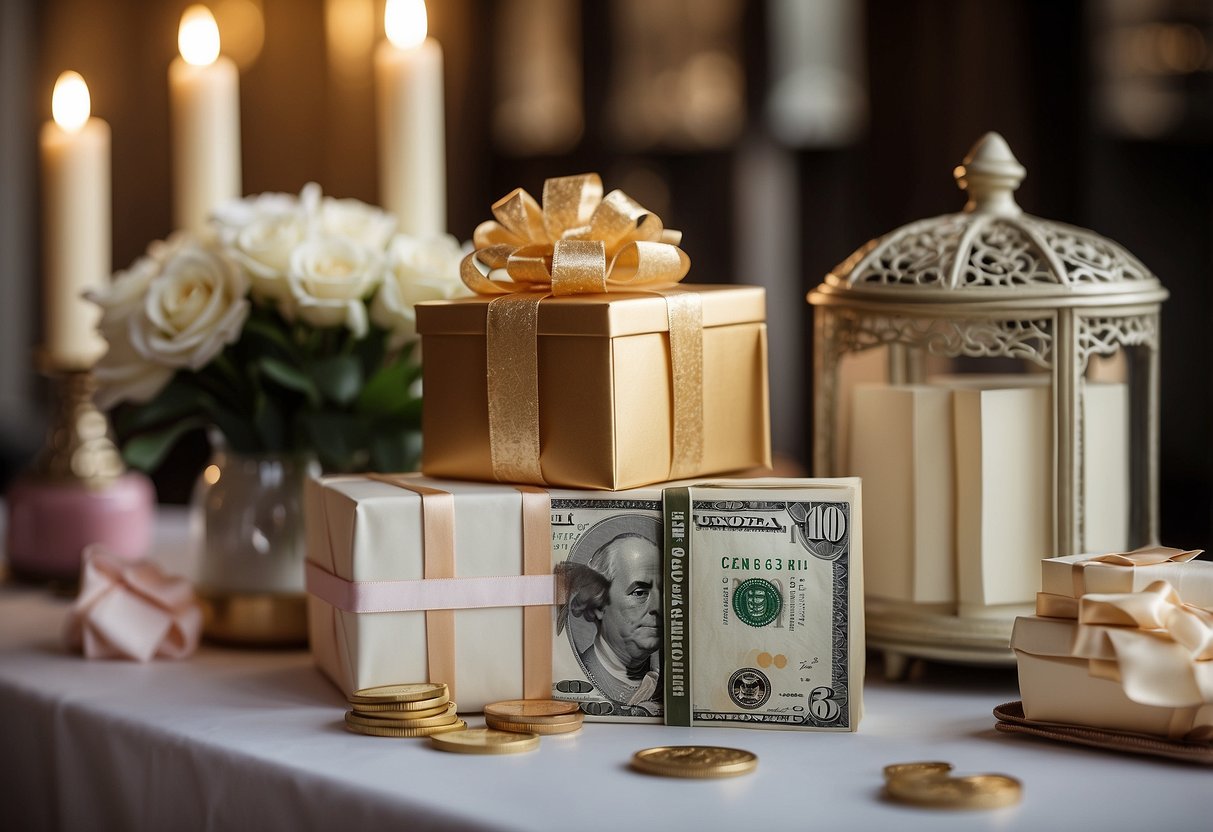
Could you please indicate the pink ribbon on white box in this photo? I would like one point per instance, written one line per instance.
(430, 593)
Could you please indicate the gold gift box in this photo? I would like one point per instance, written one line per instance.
(605, 401)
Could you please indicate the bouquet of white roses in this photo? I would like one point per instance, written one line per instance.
(289, 326)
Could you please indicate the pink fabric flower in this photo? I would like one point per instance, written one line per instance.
(132, 611)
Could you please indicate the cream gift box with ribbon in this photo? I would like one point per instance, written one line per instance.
(411, 579)
(1065, 579)
(1140, 660)
(582, 361)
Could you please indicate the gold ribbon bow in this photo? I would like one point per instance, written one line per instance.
(1162, 651)
(578, 242)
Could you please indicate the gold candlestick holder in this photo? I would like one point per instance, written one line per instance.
(78, 446)
(78, 492)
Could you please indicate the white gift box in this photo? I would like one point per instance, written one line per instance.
(367, 536)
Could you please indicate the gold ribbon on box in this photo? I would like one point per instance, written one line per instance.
(578, 242)
(1066, 606)
(1159, 649)
(1146, 556)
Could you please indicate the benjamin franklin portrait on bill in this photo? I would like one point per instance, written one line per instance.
(612, 609)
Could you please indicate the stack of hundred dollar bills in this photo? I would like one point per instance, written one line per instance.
(728, 603)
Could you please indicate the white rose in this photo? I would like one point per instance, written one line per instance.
(356, 220)
(417, 269)
(329, 280)
(260, 232)
(122, 373)
(263, 248)
(234, 214)
(193, 307)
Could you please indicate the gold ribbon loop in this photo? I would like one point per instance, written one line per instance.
(577, 242)
(1159, 649)
(519, 215)
(579, 267)
(569, 202)
(1157, 607)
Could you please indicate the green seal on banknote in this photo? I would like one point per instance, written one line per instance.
(757, 602)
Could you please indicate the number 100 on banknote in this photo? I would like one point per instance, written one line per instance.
(763, 605)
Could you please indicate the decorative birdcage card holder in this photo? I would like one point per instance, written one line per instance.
(970, 479)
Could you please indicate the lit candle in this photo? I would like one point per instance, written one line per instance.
(412, 155)
(75, 151)
(204, 94)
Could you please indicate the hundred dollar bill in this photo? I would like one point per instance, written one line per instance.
(606, 553)
(764, 605)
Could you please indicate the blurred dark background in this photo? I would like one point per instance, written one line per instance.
(778, 135)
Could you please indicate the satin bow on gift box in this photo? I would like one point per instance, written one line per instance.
(1159, 649)
(578, 242)
(132, 611)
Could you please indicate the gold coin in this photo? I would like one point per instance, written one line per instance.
(485, 741)
(920, 769)
(976, 791)
(403, 710)
(531, 727)
(698, 761)
(411, 692)
(378, 720)
(534, 710)
(392, 731)
(418, 705)
(560, 719)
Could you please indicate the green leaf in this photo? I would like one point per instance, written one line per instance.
(339, 439)
(371, 350)
(338, 378)
(267, 417)
(387, 392)
(147, 450)
(235, 427)
(176, 401)
(290, 377)
(266, 336)
(395, 450)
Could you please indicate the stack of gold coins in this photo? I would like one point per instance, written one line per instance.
(933, 785)
(534, 716)
(415, 709)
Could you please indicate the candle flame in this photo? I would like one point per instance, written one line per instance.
(70, 102)
(406, 23)
(198, 37)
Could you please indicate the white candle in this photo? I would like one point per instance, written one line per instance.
(412, 154)
(75, 151)
(204, 96)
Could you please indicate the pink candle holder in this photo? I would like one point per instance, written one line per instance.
(77, 493)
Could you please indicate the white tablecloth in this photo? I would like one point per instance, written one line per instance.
(254, 740)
